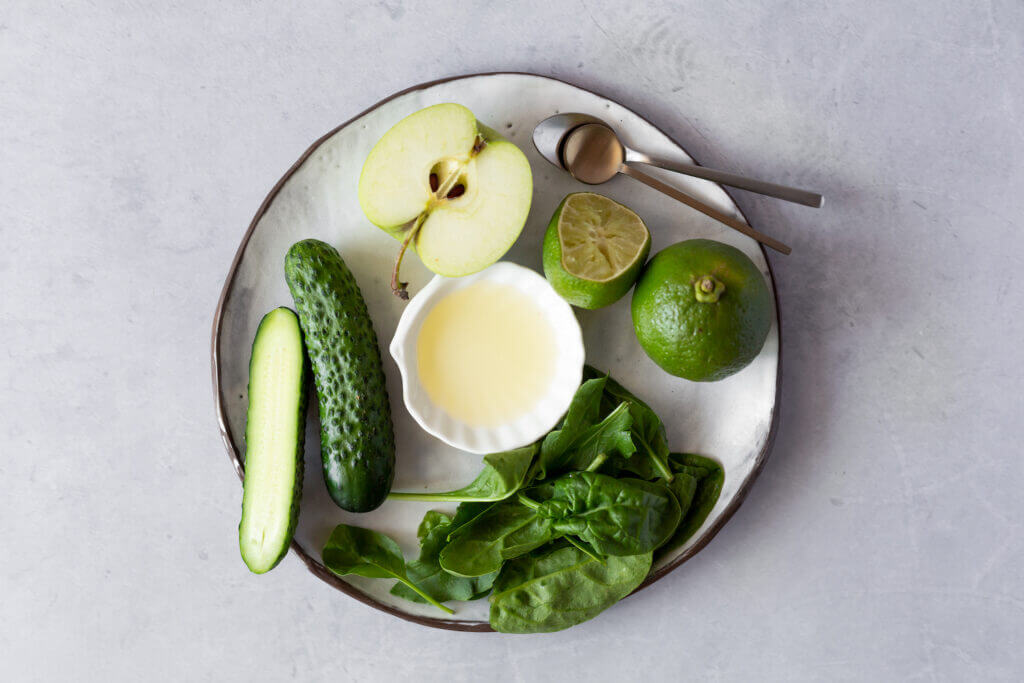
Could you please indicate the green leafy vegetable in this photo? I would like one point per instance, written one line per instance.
(502, 475)
(683, 487)
(466, 513)
(560, 586)
(584, 548)
(557, 531)
(503, 531)
(710, 476)
(354, 550)
(583, 435)
(697, 465)
(608, 437)
(647, 430)
(613, 516)
(426, 572)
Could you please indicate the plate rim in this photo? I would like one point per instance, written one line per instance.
(312, 563)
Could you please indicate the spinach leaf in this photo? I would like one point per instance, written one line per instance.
(426, 572)
(502, 475)
(465, 513)
(503, 531)
(618, 466)
(559, 586)
(583, 437)
(584, 411)
(683, 487)
(647, 431)
(697, 465)
(613, 516)
(355, 550)
(584, 548)
(710, 476)
(609, 436)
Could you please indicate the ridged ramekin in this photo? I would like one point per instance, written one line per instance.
(568, 363)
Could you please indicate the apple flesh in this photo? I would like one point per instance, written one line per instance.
(448, 187)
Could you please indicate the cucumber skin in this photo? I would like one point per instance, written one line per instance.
(300, 445)
(357, 439)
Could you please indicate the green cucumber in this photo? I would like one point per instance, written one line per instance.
(357, 440)
(275, 430)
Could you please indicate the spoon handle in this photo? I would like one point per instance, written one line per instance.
(704, 208)
(789, 194)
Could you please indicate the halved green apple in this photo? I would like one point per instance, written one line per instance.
(449, 187)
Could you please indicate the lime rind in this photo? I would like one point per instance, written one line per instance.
(702, 310)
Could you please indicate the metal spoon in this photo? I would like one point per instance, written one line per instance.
(589, 149)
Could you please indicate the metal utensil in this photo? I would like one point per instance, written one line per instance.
(591, 151)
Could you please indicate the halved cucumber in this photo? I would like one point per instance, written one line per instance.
(275, 431)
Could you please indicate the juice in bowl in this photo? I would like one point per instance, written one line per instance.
(490, 361)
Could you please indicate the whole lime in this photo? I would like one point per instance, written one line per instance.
(701, 310)
(594, 249)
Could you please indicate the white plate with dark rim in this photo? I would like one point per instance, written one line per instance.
(733, 420)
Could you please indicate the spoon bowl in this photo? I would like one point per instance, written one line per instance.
(550, 133)
(592, 153)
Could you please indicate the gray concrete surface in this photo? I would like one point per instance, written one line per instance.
(882, 542)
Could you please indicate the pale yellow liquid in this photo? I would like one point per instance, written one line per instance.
(486, 354)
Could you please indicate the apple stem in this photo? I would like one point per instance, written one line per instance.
(442, 189)
(398, 288)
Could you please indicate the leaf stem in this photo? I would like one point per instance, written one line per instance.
(663, 469)
(528, 502)
(438, 497)
(583, 549)
(596, 463)
(412, 586)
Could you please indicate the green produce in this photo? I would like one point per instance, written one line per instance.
(357, 441)
(646, 430)
(448, 187)
(275, 431)
(502, 475)
(560, 586)
(684, 487)
(354, 550)
(583, 436)
(466, 513)
(599, 514)
(564, 529)
(427, 574)
(612, 516)
(504, 531)
(709, 477)
(701, 310)
(594, 249)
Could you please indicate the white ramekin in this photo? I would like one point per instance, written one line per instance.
(549, 409)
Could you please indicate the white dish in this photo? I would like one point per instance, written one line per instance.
(526, 429)
(732, 420)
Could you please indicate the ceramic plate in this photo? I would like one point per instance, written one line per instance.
(732, 420)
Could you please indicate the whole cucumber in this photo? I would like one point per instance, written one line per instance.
(357, 440)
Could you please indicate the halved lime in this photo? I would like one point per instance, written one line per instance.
(594, 249)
